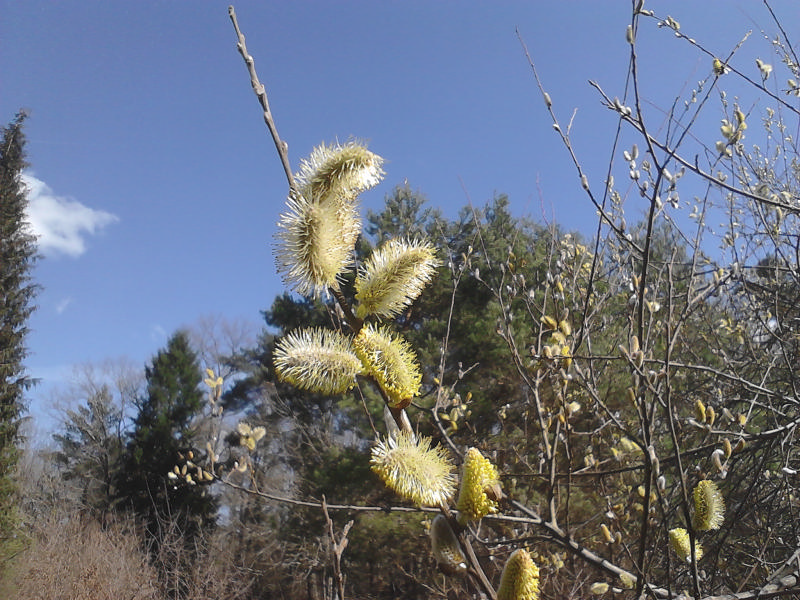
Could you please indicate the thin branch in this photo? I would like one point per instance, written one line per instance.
(337, 547)
(281, 146)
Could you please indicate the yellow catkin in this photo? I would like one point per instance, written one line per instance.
(679, 540)
(520, 579)
(479, 480)
(709, 506)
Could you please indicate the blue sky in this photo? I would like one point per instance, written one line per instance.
(155, 185)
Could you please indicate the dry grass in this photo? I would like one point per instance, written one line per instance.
(74, 560)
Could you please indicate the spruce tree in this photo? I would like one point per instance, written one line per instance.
(17, 256)
(163, 432)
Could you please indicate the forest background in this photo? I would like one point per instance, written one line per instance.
(607, 370)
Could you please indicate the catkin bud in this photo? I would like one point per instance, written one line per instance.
(446, 549)
(599, 588)
(627, 580)
(710, 415)
(480, 487)
(700, 411)
(631, 395)
(716, 458)
(565, 328)
(680, 542)
(549, 322)
(520, 579)
(606, 533)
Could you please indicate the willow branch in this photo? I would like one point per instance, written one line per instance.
(261, 94)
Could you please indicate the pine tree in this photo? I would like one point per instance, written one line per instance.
(89, 449)
(163, 429)
(17, 256)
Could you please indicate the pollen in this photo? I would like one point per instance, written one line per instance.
(414, 470)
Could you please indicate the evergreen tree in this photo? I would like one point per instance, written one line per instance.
(163, 432)
(17, 256)
(89, 449)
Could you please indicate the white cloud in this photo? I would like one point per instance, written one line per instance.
(61, 224)
(63, 304)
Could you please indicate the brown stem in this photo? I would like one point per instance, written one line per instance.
(261, 93)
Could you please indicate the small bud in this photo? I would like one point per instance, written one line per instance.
(599, 588)
(627, 580)
(716, 458)
(445, 547)
(565, 328)
(549, 322)
(606, 533)
(726, 446)
(631, 395)
(700, 411)
(629, 34)
(765, 69)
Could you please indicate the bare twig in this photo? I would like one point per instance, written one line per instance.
(261, 93)
(337, 548)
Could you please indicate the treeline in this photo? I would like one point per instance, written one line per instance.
(613, 415)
